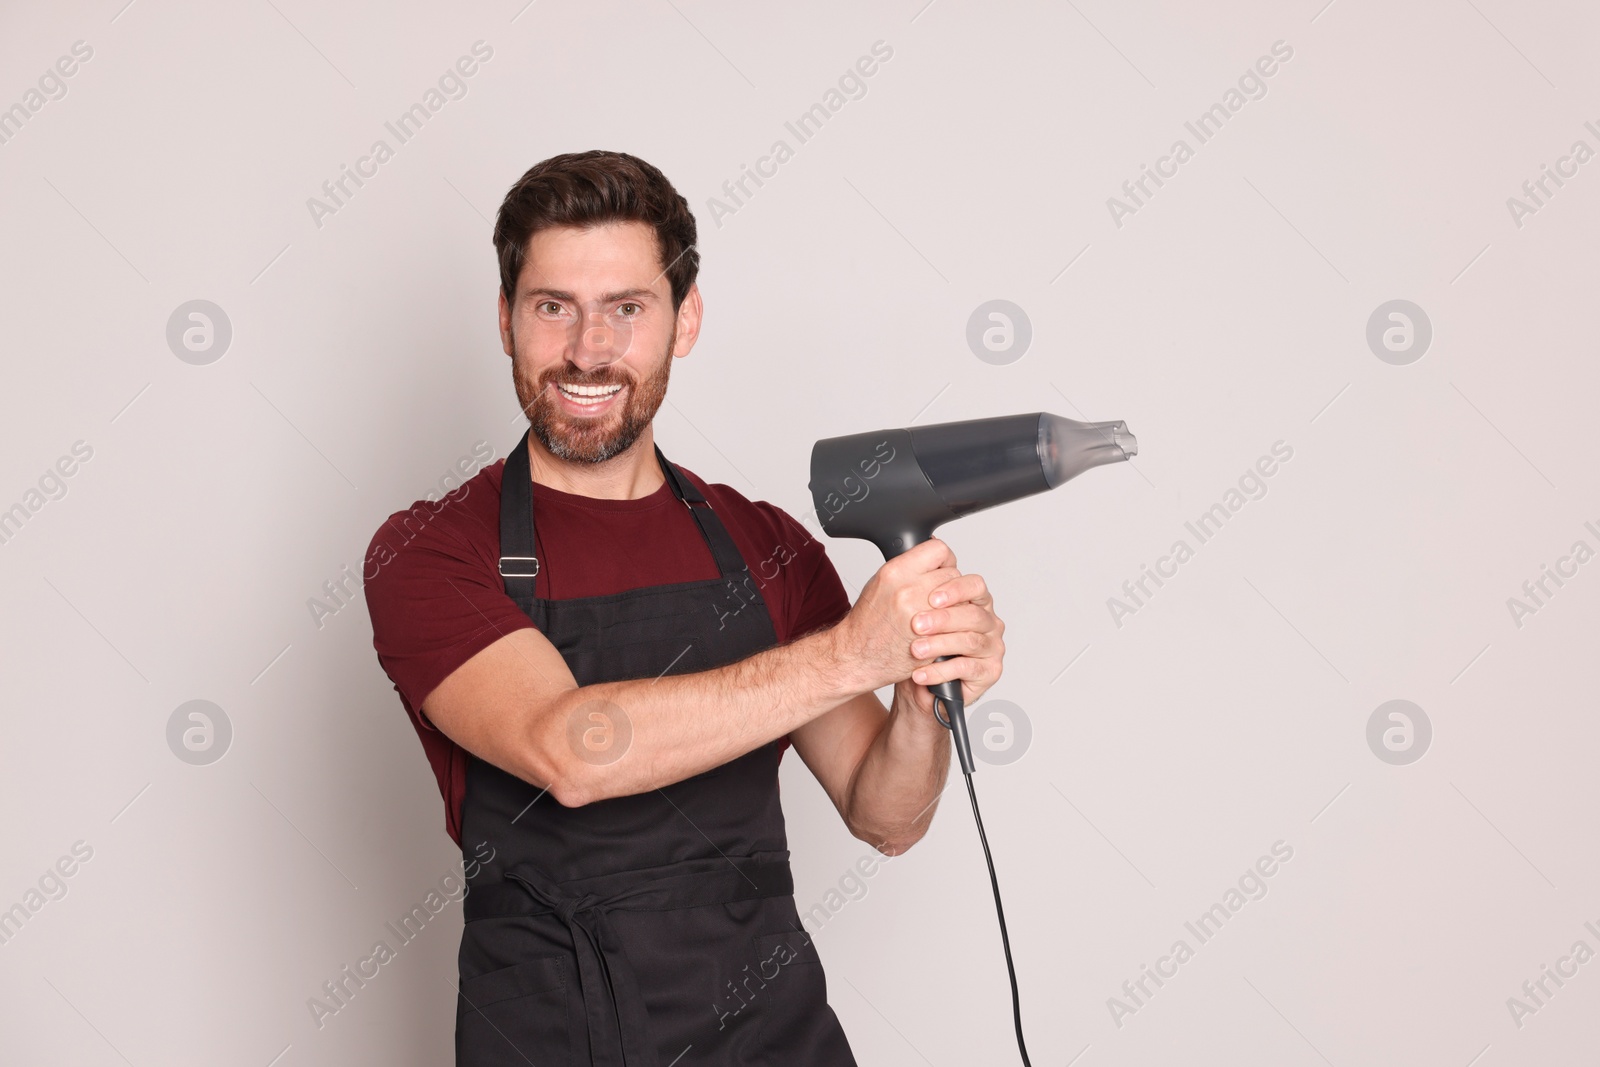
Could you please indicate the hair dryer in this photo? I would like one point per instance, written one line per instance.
(895, 487)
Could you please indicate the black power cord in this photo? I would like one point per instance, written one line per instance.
(994, 883)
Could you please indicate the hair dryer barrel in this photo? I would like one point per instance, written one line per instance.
(978, 464)
(895, 487)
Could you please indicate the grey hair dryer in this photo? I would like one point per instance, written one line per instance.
(895, 487)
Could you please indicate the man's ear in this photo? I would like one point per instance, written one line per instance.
(505, 325)
(687, 329)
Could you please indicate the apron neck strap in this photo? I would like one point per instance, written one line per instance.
(519, 561)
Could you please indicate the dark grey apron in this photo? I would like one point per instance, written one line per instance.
(653, 930)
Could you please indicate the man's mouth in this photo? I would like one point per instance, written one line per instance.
(588, 396)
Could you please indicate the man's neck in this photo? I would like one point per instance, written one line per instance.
(628, 475)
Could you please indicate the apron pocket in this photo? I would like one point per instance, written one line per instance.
(793, 1002)
(515, 1015)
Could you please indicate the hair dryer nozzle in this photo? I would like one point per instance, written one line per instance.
(1068, 448)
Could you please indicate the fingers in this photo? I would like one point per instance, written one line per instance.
(972, 643)
(961, 589)
(960, 617)
(931, 555)
(967, 630)
(977, 672)
(907, 597)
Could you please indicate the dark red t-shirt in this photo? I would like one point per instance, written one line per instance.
(436, 598)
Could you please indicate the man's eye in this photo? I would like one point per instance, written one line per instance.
(629, 309)
(550, 307)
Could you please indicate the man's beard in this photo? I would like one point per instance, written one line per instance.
(590, 440)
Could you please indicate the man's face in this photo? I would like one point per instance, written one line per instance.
(592, 335)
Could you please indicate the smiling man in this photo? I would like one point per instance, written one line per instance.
(604, 690)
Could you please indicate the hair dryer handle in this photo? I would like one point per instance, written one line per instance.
(948, 694)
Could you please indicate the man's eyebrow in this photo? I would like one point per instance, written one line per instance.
(607, 298)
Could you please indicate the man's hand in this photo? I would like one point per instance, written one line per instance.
(919, 607)
(885, 768)
(961, 622)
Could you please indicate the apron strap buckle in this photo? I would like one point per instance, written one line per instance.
(519, 566)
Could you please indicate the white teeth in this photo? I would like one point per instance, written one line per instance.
(599, 392)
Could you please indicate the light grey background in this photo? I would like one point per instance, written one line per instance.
(1167, 753)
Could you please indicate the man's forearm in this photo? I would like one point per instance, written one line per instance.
(898, 783)
(615, 739)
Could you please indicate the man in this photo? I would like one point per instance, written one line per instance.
(605, 658)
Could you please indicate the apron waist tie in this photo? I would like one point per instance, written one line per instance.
(612, 1005)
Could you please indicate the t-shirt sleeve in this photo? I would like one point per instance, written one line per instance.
(434, 599)
(815, 598)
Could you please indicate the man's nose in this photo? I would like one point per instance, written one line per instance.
(599, 342)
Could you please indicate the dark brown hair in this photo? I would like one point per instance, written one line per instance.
(588, 189)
